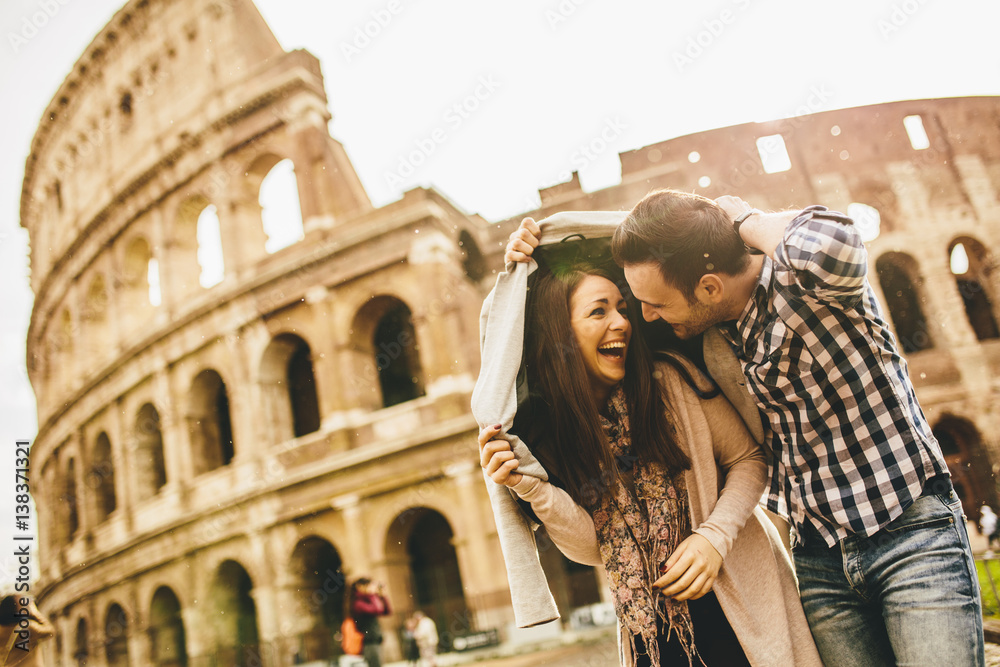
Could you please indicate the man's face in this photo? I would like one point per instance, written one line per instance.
(662, 301)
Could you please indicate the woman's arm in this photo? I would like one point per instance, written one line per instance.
(569, 525)
(691, 570)
(744, 466)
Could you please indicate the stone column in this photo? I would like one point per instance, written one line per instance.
(140, 647)
(173, 431)
(243, 237)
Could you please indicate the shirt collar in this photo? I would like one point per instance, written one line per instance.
(745, 328)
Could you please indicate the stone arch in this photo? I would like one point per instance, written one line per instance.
(903, 287)
(288, 387)
(149, 465)
(233, 616)
(318, 585)
(101, 477)
(81, 643)
(968, 462)
(473, 262)
(138, 295)
(387, 363)
(168, 642)
(271, 181)
(94, 318)
(116, 636)
(210, 423)
(423, 567)
(195, 259)
(975, 286)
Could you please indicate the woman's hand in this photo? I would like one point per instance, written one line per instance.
(523, 242)
(691, 570)
(497, 458)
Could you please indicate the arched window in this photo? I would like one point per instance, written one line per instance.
(234, 616)
(209, 423)
(420, 548)
(166, 630)
(385, 355)
(281, 213)
(289, 387)
(196, 246)
(896, 274)
(397, 358)
(149, 466)
(969, 261)
(70, 499)
(136, 273)
(968, 462)
(102, 477)
(210, 247)
(116, 637)
(472, 258)
(319, 585)
(81, 647)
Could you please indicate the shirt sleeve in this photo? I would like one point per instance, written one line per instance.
(569, 525)
(823, 252)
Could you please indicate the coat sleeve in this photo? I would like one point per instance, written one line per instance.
(569, 525)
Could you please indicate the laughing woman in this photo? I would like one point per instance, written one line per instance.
(650, 477)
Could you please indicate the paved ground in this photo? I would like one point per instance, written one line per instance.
(605, 654)
(600, 653)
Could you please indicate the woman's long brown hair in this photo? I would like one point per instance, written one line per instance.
(560, 420)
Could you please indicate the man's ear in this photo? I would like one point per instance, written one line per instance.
(710, 289)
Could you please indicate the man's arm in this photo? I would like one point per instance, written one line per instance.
(763, 231)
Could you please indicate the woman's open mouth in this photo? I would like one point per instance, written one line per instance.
(613, 350)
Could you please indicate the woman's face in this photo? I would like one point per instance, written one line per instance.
(599, 321)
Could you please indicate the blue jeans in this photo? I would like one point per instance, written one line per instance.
(908, 595)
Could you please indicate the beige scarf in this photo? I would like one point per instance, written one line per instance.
(638, 528)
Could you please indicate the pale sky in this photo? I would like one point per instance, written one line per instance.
(487, 102)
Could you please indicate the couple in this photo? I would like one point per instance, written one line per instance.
(881, 556)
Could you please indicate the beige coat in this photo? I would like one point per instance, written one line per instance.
(756, 587)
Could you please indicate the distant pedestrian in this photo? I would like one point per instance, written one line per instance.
(988, 525)
(426, 635)
(411, 653)
(367, 603)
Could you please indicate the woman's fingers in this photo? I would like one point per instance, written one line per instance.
(487, 433)
(523, 242)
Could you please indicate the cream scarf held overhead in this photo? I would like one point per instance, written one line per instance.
(494, 401)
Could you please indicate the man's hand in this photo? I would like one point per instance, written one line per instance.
(691, 570)
(523, 242)
(497, 458)
(733, 206)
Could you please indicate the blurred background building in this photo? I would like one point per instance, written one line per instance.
(248, 398)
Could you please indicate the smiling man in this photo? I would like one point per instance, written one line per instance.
(885, 571)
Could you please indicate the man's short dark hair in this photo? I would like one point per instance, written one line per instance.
(686, 234)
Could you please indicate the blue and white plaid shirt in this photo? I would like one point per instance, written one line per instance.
(852, 449)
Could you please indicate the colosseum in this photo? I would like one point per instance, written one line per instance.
(233, 420)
